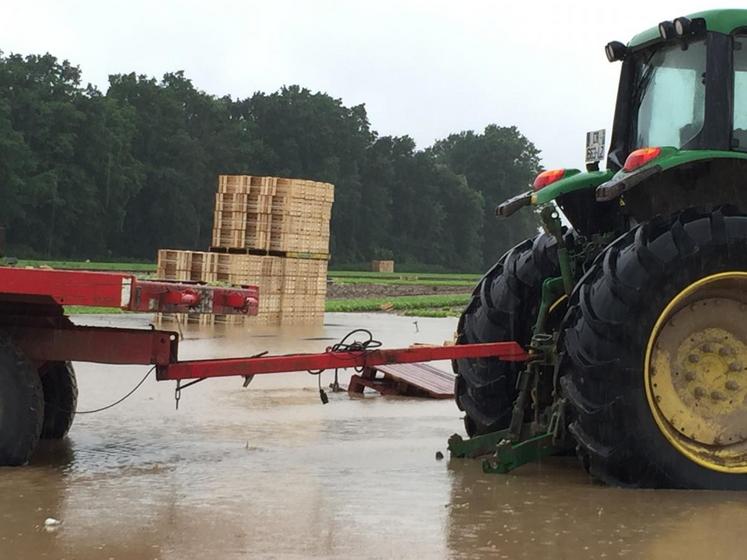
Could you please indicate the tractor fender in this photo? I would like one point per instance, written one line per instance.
(669, 159)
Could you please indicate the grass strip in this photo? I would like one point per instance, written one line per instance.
(401, 303)
(83, 310)
(82, 265)
(413, 276)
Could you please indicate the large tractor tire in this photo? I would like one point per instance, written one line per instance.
(654, 356)
(503, 307)
(21, 405)
(60, 398)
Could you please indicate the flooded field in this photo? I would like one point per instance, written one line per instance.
(269, 472)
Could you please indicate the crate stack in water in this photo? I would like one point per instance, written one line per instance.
(268, 232)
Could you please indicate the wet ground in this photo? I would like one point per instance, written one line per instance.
(268, 472)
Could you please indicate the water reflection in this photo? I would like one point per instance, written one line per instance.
(554, 509)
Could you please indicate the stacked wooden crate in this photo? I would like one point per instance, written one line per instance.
(301, 211)
(190, 266)
(264, 271)
(268, 232)
(304, 291)
(243, 212)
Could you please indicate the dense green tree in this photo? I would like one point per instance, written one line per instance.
(498, 163)
(121, 173)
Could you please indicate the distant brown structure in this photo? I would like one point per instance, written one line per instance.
(382, 266)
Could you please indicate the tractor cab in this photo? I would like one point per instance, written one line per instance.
(680, 121)
(681, 114)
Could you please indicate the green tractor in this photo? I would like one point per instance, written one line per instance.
(634, 314)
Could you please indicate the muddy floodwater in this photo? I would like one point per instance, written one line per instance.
(269, 472)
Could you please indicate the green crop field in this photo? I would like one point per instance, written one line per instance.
(375, 277)
(432, 306)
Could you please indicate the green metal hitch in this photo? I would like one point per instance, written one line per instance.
(477, 446)
(509, 456)
(552, 290)
(505, 455)
(553, 226)
(524, 441)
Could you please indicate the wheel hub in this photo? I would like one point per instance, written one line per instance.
(696, 372)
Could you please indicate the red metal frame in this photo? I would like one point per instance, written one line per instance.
(96, 344)
(196, 369)
(125, 291)
(31, 312)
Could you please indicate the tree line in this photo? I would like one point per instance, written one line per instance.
(119, 174)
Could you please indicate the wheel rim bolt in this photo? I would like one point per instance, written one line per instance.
(689, 376)
(699, 392)
(732, 385)
(726, 351)
(717, 396)
(693, 358)
(735, 366)
(706, 348)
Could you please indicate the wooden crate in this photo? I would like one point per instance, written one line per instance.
(204, 267)
(301, 212)
(291, 290)
(258, 228)
(382, 266)
(234, 183)
(272, 214)
(305, 189)
(174, 264)
(195, 266)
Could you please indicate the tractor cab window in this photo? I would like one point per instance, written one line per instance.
(669, 97)
(739, 135)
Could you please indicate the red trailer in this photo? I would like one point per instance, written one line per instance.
(38, 342)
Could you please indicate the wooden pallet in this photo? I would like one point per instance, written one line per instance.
(411, 380)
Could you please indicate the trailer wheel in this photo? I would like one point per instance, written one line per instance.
(21, 405)
(504, 307)
(654, 355)
(60, 398)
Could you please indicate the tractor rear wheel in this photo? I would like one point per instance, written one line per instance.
(654, 355)
(60, 398)
(504, 307)
(21, 405)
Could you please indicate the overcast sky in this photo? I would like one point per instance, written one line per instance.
(425, 69)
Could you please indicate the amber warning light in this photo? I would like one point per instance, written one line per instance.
(547, 177)
(640, 157)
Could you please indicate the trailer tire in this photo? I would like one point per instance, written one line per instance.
(21, 405)
(503, 307)
(60, 398)
(642, 338)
